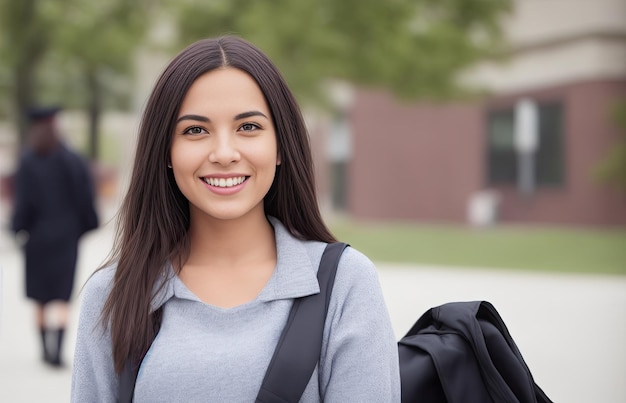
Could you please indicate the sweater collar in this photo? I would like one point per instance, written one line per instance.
(294, 276)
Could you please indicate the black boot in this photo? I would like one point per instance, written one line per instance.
(44, 344)
(56, 357)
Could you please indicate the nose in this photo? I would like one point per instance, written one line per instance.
(224, 149)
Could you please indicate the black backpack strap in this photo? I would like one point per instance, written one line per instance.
(300, 344)
(128, 377)
(127, 383)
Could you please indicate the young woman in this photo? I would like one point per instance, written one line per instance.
(219, 232)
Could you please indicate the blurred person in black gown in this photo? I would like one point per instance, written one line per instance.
(54, 205)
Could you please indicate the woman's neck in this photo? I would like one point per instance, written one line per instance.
(231, 242)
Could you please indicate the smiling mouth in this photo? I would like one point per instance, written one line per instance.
(225, 182)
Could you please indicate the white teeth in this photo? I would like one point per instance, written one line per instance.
(225, 182)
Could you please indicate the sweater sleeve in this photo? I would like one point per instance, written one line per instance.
(359, 360)
(93, 377)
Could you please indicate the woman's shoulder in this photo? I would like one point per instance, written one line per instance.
(357, 287)
(351, 257)
(99, 284)
(354, 265)
(94, 295)
(355, 257)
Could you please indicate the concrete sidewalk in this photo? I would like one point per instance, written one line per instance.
(570, 329)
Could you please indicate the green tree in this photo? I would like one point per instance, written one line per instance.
(24, 39)
(69, 50)
(100, 46)
(413, 47)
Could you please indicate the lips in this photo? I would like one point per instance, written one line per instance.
(224, 182)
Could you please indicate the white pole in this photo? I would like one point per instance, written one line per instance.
(526, 143)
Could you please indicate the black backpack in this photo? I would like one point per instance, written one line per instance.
(457, 352)
(463, 352)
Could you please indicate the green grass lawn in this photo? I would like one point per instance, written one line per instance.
(504, 246)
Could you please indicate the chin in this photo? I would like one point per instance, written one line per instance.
(232, 214)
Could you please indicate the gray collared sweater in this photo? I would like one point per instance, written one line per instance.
(208, 354)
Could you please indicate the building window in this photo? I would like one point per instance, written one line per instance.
(549, 157)
(502, 157)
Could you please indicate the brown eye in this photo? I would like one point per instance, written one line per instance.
(248, 127)
(194, 130)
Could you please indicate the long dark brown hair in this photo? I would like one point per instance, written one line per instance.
(154, 217)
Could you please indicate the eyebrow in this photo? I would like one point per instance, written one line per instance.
(245, 115)
(193, 117)
(239, 116)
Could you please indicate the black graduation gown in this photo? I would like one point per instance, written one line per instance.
(54, 204)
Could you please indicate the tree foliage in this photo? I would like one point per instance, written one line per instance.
(65, 50)
(100, 45)
(413, 47)
(24, 39)
(82, 52)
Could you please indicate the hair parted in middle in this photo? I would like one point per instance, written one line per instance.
(154, 216)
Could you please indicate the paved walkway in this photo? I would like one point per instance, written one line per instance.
(570, 329)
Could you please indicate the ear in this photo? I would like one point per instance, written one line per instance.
(278, 160)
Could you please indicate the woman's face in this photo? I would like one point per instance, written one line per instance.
(224, 151)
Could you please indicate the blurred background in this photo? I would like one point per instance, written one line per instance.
(473, 134)
(462, 114)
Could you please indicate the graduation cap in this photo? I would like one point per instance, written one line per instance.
(38, 113)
